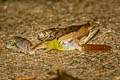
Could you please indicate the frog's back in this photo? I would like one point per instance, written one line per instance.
(64, 31)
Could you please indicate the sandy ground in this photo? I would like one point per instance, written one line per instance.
(26, 18)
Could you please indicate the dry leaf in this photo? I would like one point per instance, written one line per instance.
(96, 48)
(63, 76)
(4, 50)
(27, 78)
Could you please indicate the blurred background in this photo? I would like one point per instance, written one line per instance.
(27, 18)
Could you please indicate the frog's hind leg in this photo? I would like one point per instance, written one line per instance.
(79, 43)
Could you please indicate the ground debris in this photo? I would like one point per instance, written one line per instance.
(26, 78)
(63, 76)
(3, 50)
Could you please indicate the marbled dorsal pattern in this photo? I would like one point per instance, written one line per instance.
(48, 34)
(70, 29)
(53, 33)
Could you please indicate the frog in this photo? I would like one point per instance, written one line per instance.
(71, 37)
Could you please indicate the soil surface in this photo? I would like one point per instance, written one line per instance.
(26, 18)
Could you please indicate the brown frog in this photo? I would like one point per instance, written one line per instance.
(72, 37)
